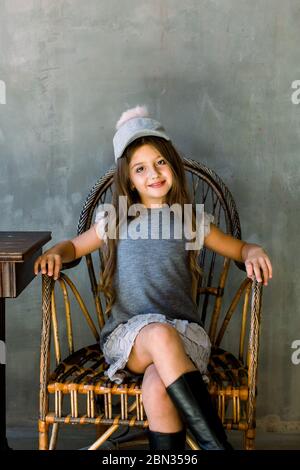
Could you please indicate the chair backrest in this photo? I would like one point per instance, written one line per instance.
(207, 188)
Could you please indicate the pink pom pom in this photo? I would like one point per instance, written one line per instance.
(138, 111)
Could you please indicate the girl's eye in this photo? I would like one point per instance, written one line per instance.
(141, 167)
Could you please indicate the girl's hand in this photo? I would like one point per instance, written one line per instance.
(50, 264)
(257, 260)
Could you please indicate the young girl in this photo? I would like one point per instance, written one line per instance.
(153, 327)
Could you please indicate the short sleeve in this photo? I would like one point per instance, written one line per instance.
(100, 221)
(208, 219)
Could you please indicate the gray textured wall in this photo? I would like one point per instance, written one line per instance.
(218, 74)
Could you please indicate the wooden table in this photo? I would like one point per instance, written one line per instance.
(18, 252)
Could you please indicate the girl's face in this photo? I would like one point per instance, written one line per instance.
(150, 174)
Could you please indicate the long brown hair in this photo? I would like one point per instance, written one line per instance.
(122, 187)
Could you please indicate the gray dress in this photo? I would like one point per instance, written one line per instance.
(153, 284)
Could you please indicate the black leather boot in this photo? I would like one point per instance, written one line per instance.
(166, 441)
(192, 399)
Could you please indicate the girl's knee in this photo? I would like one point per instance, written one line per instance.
(152, 338)
(161, 332)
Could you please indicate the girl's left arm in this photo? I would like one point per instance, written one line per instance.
(254, 256)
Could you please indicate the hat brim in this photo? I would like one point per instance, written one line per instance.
(140, 133)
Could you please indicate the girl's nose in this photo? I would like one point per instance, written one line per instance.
(153, 172)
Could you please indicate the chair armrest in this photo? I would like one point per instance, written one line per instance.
(47, 286)
(253, 346)
(49, 317)
(252, 293)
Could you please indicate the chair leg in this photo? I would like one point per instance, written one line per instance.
(249, 439)
(54, 436)
(104, 437)
(43, 435)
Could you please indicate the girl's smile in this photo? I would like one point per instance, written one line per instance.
(157, 185)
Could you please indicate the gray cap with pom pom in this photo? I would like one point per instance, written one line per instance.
(134, 123)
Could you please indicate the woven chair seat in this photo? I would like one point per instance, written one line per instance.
(84, 371)
(226, 370)
(80, 376)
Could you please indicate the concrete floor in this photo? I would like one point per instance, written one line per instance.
(79, 437)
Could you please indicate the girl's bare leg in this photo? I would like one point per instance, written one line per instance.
(160, 410)
(161, 345)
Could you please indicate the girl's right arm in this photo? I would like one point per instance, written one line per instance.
(64, 252)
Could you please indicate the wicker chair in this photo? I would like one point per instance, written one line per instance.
(75, 389)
